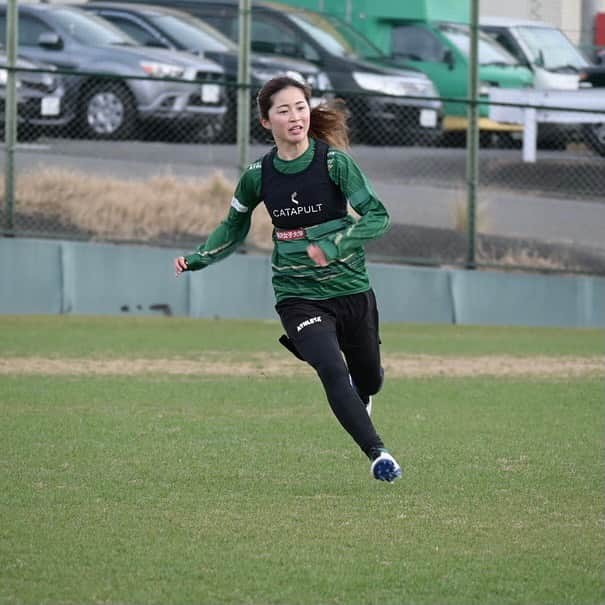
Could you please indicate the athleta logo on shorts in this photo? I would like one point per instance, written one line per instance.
(308, 322)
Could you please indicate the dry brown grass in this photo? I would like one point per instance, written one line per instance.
(528, 258)
(214, 363)
(460, 216)
(171, 208)
(159, 207)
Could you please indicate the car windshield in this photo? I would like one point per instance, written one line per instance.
(193, 33)
(89, 29)
(489, 51)
(360, 44)
(324, 34)
(550, 48)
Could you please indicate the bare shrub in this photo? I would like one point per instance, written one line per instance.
(460, 216)
(523, 258)
(111, 208)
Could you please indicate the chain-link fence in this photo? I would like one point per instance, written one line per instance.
(95, 162)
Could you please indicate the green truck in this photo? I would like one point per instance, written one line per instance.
(434, 37)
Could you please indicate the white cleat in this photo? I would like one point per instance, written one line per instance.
(385, 468)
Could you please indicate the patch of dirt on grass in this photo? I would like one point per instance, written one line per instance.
(269, 365)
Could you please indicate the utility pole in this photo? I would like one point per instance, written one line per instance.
(10, 114)
(472, 136)
(243, 79)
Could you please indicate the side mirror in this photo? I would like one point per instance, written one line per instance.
(50, 40)
(448, 59)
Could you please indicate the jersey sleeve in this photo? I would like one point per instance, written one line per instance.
(232, 231)
(374, 218)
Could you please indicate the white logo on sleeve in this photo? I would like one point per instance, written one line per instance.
(308, 322)
(237, 205)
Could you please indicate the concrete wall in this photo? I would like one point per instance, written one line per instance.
(48, 277)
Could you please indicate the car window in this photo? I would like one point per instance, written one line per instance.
(30, 29)
(357, 41)
(309, 53)
(89, 29)
(228, 26)
(551, 48)
(193, 33)
(269, 36)
(133, 29)
(325, 35)
(504, 40)
(490, 52)
(416, 43)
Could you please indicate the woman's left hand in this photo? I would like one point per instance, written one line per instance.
(317, 255)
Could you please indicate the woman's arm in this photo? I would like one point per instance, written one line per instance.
(231, 232)
(374, 218)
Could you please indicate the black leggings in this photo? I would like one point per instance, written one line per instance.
(323, 332)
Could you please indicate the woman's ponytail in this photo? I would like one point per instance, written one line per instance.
(329, 123)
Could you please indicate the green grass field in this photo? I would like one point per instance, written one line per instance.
(123, 486)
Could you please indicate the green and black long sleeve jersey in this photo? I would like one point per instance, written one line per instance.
(341, 239)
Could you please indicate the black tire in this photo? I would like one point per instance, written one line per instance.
(107, 111)
(594, 135)
(210, 132)
(452, 139)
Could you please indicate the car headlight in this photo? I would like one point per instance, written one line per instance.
(162, 70)
(483, 88)
(3, 77)
(397, 86)
(49, 81)
(319, 81)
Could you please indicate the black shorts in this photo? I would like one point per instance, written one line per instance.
(352, 320)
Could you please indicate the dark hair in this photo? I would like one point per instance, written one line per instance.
(328, 121)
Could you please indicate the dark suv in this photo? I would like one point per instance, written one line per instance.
(387, 104)
(161, 27)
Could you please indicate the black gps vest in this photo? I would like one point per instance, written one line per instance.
(305, 198)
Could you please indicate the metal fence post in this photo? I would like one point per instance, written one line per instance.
(10, 114)
(472, 137)
(243, 77)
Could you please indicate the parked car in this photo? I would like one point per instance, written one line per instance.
(161, 27)
(40, 97)
(111, 107)
(387, 104)
(431, 36)
(556, 63)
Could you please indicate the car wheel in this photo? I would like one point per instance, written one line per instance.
(452, 139)
(108, 111)
(209, 132)
(594, 135)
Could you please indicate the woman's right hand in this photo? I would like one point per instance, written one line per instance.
(180, 265)
(316, 254)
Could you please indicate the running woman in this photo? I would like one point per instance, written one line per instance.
(320, 280)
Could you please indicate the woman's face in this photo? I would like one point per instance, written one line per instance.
(288, 116)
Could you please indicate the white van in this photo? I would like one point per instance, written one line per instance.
(557, 65)
(546, 50)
